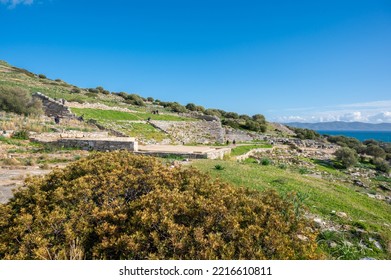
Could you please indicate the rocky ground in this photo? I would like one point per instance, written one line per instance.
(319, 162)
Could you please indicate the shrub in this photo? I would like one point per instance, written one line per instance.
(191, 107)
(122, 94)
(263, 128)
(123, 206)
(219, 167)
(381, 165)
(93, 90)
(177, 108)
(245, 117)
(230, 122)
(252, 125)
(282, 166)
(265, 161)
(77, 99)
(75, 90)
(135, 99)
(350, 142)
(375, 151)
(19, 101)
(303, 170)
(231, 115)
(92, 94)
(21, 134)
(371, 142)
(347, 156)
(42, 76)
(212, 112)
(200, 109)
(259, 118)
(304, 133)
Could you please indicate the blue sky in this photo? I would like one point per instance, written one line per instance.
(289, 60)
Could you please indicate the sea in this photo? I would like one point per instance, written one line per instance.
(384, 136)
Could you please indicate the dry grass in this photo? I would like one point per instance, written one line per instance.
(39, 124)
(11, 162)
(10, 121)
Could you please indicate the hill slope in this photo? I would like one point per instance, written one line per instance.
(127, 113)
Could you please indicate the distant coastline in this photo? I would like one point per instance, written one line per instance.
(384, 136)
(343, 126)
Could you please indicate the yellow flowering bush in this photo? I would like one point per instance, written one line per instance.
(123, 206)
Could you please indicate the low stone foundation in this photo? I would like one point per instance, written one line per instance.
(200, 132)
(215, 154)
(191, 152)
(99, 141)
(109, 144)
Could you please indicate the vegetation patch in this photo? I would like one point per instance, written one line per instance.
(18, 100)
(122, 206)
(113, 115)
(104, 115)
(11, 141)
(142, 131)
(241, 150)
(323, 196)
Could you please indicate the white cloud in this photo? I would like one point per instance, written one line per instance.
(354, 117)
(291, 119)
(13, 3)
(368, 105)
(371, 112)
(381, 117)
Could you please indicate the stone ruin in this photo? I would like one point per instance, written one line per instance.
(53, 107)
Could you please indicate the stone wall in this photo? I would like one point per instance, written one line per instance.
(118, 143)
(241, 135)
(252, 152)
(283, 129)
(53, 107)
(49, 137)
(215, 154)
(99, 141)
(200, 132)
(218, 153)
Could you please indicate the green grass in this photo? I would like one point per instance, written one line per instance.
(322, 196)
(112, 115)
(105, 115)
(143, 131)
(125, 122)
(120, 121)
(383, 179)
(240, 150)
(11, 141)
(54, 89)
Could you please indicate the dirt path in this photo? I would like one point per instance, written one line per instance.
(12, 177)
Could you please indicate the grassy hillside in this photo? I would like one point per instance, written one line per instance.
(17, 77)
(56, 88)
(366, 218)
(353, 223)
(112, 115)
